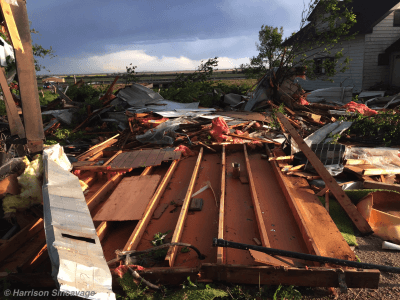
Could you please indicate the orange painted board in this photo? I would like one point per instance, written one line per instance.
(172, 251)
(280, 223)
(330, 182)
(129, 199)
(319, 232)
(240, 224)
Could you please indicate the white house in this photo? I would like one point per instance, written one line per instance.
(374, 53)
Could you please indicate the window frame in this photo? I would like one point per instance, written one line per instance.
(319, 61)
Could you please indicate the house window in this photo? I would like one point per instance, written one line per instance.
(396, 18)
(383, 59)
(320, 65)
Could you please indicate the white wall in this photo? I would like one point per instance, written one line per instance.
(353, 49)
(383, 35)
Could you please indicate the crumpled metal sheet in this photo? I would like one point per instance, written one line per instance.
(139, 96)
(75, 251)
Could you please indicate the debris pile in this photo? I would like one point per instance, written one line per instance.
(156, 164)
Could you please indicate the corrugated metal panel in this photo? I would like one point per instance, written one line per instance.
(75, 251)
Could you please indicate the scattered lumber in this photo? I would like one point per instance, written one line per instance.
(330, 182)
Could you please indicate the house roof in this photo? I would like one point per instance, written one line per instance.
(369, 13)
(393, 47)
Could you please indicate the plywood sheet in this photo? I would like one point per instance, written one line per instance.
(143, 158)
(129, 200)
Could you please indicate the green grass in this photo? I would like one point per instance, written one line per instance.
(342, 221)
(48, 97)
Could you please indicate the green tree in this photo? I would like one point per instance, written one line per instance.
(269, 48)
(130, 74)
(324, 26)
(40, 52)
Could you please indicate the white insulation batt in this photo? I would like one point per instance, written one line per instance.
(78, 263)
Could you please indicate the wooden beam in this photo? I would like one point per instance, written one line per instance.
(172, 251)
(296, 208)
(290, 157)
(12, 245)
(330, 182)
(253, 139)
(93, 150)
(220, 250)
(112, 158)
(325, 189)
(14, 120)
(257, 209)
(109, 90)
(27, 81)
(11, 26)
(380, 185)
(101, 194)
(313, 277)
(140, 228)
(371, 172)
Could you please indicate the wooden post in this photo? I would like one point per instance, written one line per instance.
(330, 182)
(27, 78)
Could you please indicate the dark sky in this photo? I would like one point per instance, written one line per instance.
(105, 36)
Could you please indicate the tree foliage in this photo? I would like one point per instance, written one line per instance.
(324, 26)
(40, 52)
(269, 48)
(195, 86)
(130, 74)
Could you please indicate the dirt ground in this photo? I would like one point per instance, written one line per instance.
(369, 251)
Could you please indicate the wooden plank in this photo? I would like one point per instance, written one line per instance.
(97, 147)
(101, 194)
(137, 234)
(102, 229)
(120, 160)
(14, 119)
(109, 90)
(372, 171)
(112, 158)
(326, 189)
(172, 251)
(152, 157)
(11, 26)
(12, 245)
(281, 158)
(308, 211)
(129, 159)
(139, 160)
(169, 155)
(159, 159)
(381, 185)
(256, 204)
(313, 277)
(336, 190)
(220, 250)
(129, 200)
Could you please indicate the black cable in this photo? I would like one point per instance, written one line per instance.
(309, 257)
